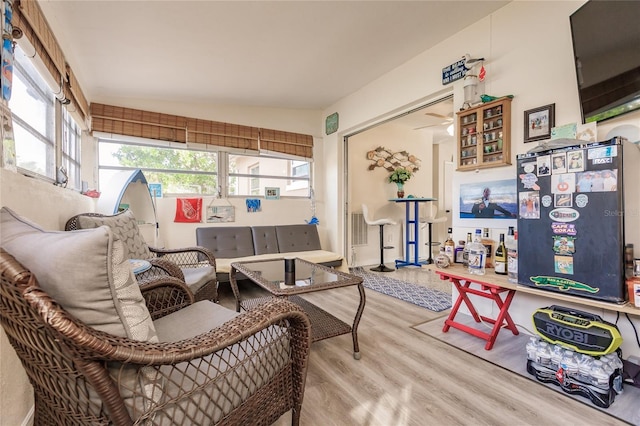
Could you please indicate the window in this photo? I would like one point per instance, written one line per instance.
(179, 170)
(249, 175)
(71, 150)
(33, 112)
(254, 182)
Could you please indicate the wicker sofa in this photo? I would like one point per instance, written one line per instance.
(242, 243)
(100, 348)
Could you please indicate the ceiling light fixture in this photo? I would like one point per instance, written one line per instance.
(450, 129)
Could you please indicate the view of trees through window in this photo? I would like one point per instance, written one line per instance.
(190, 171)
(180, 171)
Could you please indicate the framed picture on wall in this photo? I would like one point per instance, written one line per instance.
(272, 193)
(538, 123)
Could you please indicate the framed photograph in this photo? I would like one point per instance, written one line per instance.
(272, 193)
(538, 123)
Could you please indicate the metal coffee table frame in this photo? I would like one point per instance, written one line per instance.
(323, 324)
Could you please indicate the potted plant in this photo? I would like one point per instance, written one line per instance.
(399, 177)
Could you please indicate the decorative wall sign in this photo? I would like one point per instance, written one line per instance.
(272, 193)
(188, 210)
(453, 72)
(331, 123)
(382, 157)
(155, 189)
(217, 214)
(253, 205)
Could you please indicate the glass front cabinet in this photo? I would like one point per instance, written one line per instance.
(484, 135)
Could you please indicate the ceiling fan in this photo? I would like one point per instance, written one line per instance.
(445, 120)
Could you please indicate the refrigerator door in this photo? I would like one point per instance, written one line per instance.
(570, 222)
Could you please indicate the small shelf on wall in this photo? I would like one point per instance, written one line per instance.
(129, 189)
(484, 135)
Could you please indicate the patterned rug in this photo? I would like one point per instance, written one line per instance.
(434, 300)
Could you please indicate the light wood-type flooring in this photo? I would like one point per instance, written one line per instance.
(406, 377)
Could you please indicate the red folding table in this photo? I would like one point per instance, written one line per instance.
(489, 286)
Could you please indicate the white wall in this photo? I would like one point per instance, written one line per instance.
(50, 207)
(373, 188)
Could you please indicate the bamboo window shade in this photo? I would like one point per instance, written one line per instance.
(28, 18)
(154, 125)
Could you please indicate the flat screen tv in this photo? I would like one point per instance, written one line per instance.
(606, 48)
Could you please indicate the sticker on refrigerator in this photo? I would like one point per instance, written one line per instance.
(563, 264)
(564, 214)
(597, 181)
(559, 163)
(563, 184)
(602, 152)
(564, 245)
(576, 161)
(529, 181)
(562, 200)
(529, 205)
(564, 228)
(544, 161)
(563, 284)
(582, 200)
(546, 200)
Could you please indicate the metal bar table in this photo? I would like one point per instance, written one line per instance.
(411, 231)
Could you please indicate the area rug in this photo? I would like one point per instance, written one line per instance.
(434, 300)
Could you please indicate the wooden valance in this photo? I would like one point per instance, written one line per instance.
(166, 127)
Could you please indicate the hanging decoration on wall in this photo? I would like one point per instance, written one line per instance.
(382, 157)
(314, 220)
(253, 205)
(188, 210)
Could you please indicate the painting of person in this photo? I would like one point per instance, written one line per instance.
(484, 207)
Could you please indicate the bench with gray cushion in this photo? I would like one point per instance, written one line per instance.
(244, 243)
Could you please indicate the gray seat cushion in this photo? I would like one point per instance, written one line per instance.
(265, 239)
(227, 241)
(238, 371)
(297, 238)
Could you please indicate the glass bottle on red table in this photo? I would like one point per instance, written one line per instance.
(477, 255)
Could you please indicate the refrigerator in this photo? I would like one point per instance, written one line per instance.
(578, 207)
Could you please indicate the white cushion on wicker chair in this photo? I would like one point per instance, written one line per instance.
(125, 226)
(86, 271)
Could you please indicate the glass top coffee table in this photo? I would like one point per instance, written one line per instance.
(309, 277)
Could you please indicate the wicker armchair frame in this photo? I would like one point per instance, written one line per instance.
(70, 365)
(170, 261)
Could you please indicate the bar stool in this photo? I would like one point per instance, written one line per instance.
(380, 223)
(429, 220)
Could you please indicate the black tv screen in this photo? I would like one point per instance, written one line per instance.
(606, 48)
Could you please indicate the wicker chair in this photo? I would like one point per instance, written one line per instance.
(187, 264)
(248, 371)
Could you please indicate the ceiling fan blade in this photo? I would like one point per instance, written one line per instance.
(444, 117)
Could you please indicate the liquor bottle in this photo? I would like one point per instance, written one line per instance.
(449, 247)
(489, 244)
(459, 252)
(501, 257)
(477, 255)
(465, 252)
(512, 255)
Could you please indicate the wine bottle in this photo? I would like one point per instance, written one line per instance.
(489, 244)
(501, 257)
(449, 247)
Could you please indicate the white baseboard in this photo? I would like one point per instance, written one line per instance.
(28, 420)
